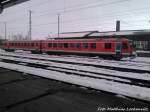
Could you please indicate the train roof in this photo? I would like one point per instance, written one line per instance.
(90, 34)
(70, 40)
(121, 33)
(67, 35)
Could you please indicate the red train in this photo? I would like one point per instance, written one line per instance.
(112, 47)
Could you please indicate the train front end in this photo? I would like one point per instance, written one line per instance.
(124, 48)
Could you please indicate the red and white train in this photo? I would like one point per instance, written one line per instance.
(111, 47)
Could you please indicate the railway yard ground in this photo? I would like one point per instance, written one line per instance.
(44, 83)
(20, 92)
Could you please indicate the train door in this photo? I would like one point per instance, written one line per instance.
(118, 50)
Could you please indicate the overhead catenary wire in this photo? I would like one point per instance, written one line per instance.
(86, 19)
(136, 10)
(101, 6)
(74, 8)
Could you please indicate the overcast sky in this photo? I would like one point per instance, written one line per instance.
(75, 15)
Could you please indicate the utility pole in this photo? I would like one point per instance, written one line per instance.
(1, 8)
(30, 25)
(5, 25)
(58, 24)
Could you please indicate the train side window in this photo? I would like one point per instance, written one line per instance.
(12, 44)
(93, 45)
(124, 46)
(49, 44)
(32, 44)
(85, 45)
(72, 45)
(65, 45)
(107, 45)
(60, 45)
(78, 45)
(36, 44)
(54, 45)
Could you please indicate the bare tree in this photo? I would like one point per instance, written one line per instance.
(19, 37)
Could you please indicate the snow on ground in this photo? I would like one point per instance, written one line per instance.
(21, 51)
(100, 84)
(139, 51)
(138, 59)
(121, 64)
(143, 76)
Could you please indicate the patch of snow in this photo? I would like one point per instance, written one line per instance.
(99, 84)
(86, 69)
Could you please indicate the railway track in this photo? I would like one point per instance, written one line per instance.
(84, 71)
(107, 64)
(83, 80)
(81, 70)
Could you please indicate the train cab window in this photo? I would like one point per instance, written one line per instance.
(78, 45)
(60, 45)
(107, 45)
(85, 45)
(54, 45)
(65, 45)
(72, 45)
(93, 45)
(124, 46)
